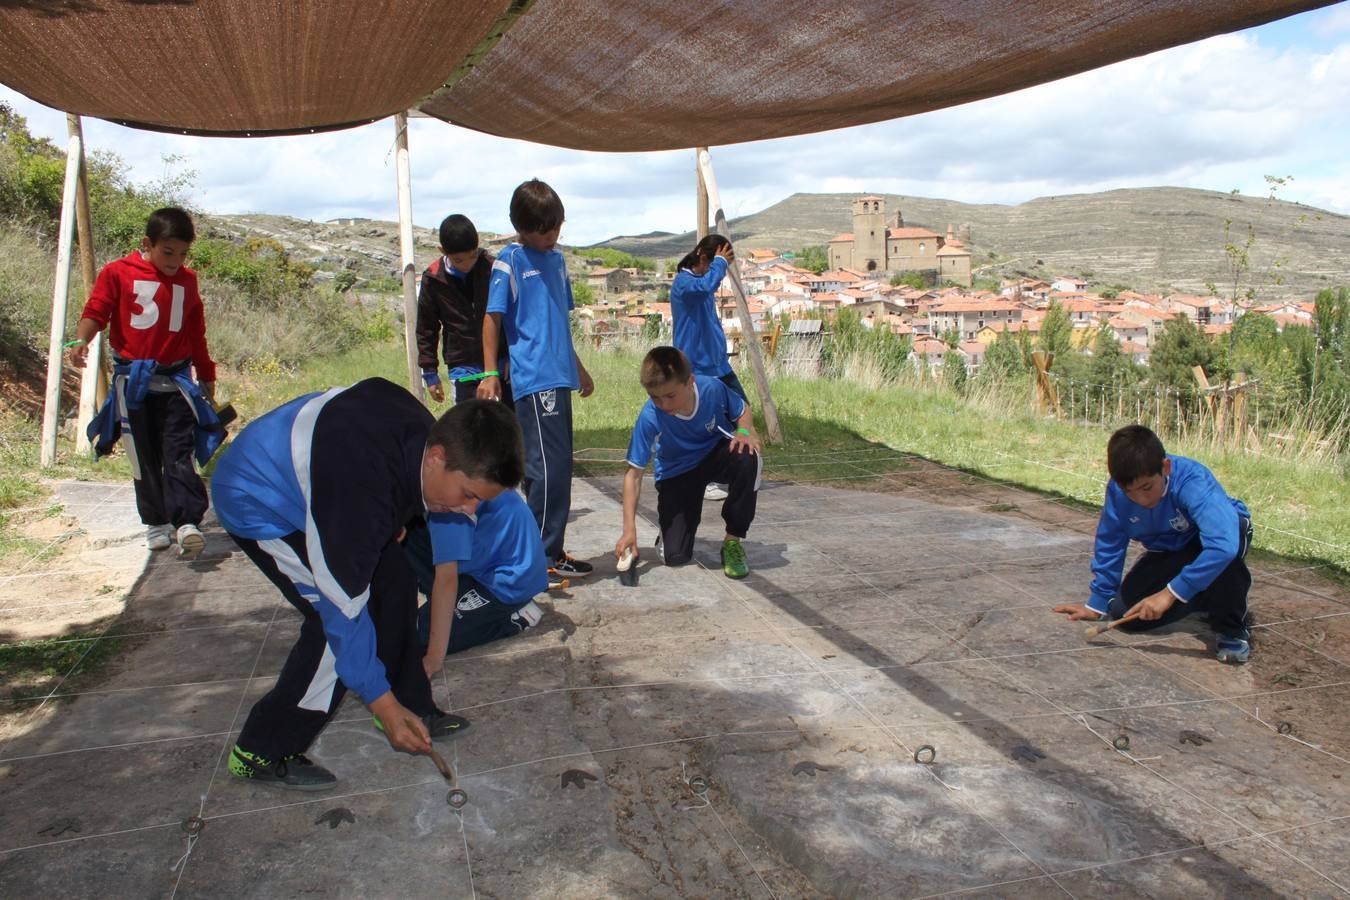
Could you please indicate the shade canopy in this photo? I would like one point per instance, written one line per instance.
(614, 75)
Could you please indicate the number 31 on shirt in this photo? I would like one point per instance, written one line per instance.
(149, 309)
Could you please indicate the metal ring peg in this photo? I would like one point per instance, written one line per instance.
(456, 798)
(1285, 728)
(925, 754)
(699, 785)
(1121, 743)
(193, 825)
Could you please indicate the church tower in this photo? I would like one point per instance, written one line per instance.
(869, 234)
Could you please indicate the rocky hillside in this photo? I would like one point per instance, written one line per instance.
(366, 247)
(1149, 239)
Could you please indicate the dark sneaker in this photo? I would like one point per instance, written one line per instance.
(733, 559)
(1233, 650)
(444, 726)
(296, 772)
(570, 567)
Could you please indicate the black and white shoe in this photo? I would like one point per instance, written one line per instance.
(570, 567)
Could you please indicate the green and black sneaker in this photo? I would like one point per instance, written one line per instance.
(296, 771)
(733, 559)
(442, 726)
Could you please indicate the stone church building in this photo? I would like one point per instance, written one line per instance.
(874, 246)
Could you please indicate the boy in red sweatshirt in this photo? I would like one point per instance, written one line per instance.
(149, 303)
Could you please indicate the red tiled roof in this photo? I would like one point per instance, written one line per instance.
(908, 232)
(846, 236)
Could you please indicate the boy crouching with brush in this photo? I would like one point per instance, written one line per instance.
(701, 431)
(1195, 537)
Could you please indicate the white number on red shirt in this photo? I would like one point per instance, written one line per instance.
(149, 309)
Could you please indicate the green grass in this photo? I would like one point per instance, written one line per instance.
(31, 668)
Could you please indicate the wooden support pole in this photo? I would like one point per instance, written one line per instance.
(407, 254)
(51, 408)
(93, 380)
(756, 354)
(701, 218)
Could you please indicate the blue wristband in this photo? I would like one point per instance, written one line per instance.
(431, 377)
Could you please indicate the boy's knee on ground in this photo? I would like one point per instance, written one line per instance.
(678, 558)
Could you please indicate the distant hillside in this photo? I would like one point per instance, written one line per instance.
(366, 247)
(1149, 239)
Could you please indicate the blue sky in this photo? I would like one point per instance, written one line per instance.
(1219, 114)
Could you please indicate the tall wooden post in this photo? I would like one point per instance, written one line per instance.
(407, 254)
(51, 409)
(701, 219)
(93, 380)
(751, 342)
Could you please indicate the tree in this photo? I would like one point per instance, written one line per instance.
(1003, 359)
(814, 258)
(1180, 348)
(915, 280)
(582, 295)
(954, 370)
(1056, 331)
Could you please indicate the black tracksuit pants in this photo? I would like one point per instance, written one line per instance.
(1224, 601)
(169, 491)
(288, 718)
(546, 423)
(679, 499)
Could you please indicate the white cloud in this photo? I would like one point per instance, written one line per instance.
(1219, 114)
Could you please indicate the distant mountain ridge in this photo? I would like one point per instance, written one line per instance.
(1156, 240)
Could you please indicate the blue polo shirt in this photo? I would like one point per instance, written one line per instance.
(697, 327)
(501, 549)
(685, 440)
(531, 292)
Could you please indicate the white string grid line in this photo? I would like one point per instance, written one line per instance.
(1012, 676)
(681, 740)
(227, 746)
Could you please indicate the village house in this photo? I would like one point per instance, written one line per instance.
(928, 352)
(1129, 330)
(1026, 290)
(609, 281)
(1067, 284)
(967, 315)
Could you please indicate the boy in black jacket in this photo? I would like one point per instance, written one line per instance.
(450, 307)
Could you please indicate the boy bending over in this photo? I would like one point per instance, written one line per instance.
(1195, 537)
(317, 493)
(706, 434)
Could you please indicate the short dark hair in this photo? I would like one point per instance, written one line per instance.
(536, 208)
(1134, 452)
(458, 234)
(481, 439)
(170, 223)
(663, 365)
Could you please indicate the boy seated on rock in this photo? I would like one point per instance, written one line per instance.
(706, 434)
(481, 573)
(1195, 537)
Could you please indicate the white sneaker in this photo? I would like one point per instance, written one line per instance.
(159, 537)
(190, 541)
(714, 492)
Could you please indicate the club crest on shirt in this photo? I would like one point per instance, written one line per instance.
(1179, 522)
(712, 424)
(548, 399)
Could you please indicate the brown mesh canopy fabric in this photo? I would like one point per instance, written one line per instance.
(617, 75)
